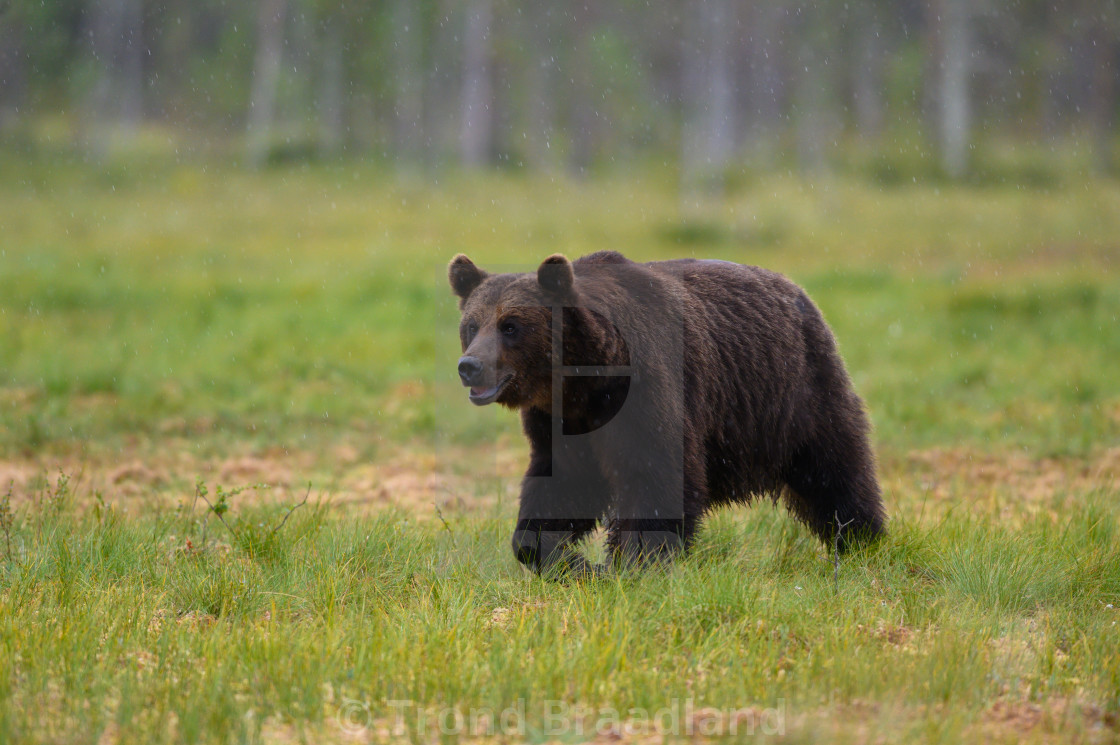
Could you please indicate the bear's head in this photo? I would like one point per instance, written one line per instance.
(506, 330)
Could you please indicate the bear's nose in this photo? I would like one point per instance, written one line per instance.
(470, 370)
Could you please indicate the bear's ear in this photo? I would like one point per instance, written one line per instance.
(555, 275)
(464, 276)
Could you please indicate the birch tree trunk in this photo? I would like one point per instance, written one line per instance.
(867, 77)
(709, 136)
(116, 99)
(408, 84)
(1103, 94)
(541, 84)
(767, 88)
(13, 80)
(814, 118)
(952, 49)
(582, 125)
(331, 102)
(477, 100)
(271, 15)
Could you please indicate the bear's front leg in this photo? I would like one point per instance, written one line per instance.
(562, 496)
(544, 546)
(544, 539)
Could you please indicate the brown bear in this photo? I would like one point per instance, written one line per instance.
(652, 392)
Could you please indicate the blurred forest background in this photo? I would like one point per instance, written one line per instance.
(215, 215)
(905, 89)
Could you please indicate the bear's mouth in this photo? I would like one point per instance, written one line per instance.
(482, 396)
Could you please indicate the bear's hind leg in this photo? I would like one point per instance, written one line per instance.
(834, 485)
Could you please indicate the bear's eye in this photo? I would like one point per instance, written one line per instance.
(472, 329)
(509, 328)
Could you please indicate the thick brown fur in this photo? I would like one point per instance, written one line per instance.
(735, 389)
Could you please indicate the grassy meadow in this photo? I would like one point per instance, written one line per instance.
(173, 335)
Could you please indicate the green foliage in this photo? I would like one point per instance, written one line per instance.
(255, 532)
(290, 306)
(216, 587)
(7, 521)
(380, 609)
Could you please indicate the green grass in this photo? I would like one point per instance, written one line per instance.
(161, 299)
(121, 625)
(176, 315)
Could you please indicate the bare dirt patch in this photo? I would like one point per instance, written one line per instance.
(411, 480)
(1053, 720)
(1013, 721)
(1011, 486)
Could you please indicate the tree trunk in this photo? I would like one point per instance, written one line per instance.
(952, 49)
(582, 128)
(540, 82)
(408, 79)
(767, 88)
(867, 79)
(266, 77)
(1103, 97)
(13, 80)
(1046, 93)
(709, 134)
(477, 100)
(444, 87)
(814, 118)
(116, 99)
(331, 89)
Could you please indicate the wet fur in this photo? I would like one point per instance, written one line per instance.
(763, 401)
